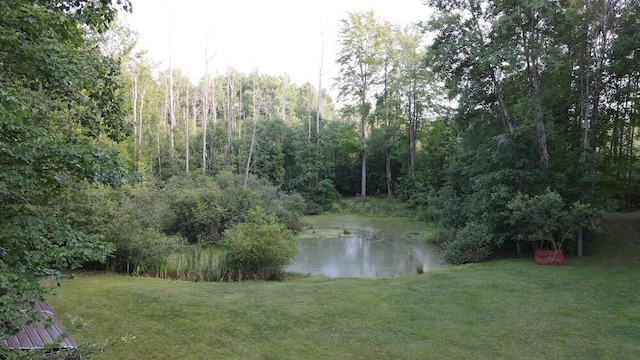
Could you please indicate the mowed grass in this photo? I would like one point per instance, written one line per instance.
(503, 309)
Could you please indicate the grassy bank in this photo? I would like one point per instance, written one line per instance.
(512, 309)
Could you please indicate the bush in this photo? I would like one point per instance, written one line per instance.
(447, 208)
(199, 215)
(205, 208)
(473, 243)
(376, 206)
(548, 219)
(320, 198)
(141, 251)
(441, 236)
(259, 247)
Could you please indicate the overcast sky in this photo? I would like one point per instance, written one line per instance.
(275, 37)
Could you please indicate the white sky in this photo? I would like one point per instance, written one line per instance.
(276, 37)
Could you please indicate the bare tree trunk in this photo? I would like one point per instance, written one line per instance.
(319, 91)
(387, 132)
(318, 110)
(534, 88)
(309, 114)
(172, 113)
(413, 119)
(172, 119)
(140, 124)
(229, 113)
(283, 104)
(205, 111)
(159, 152)
(239, 121)
(363, 134)
(187, 155)
(253, 134)
(194, 114)
(136, 130)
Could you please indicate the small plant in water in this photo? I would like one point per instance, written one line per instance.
(417, 260)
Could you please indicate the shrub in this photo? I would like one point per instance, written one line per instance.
(199, 215)
(205, 208)
(259, 247)
(376, 206)
(473, 243)
(141, 251)
(320, 198)
(546, 218)
(441, 236)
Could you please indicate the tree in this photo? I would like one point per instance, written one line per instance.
(359, 60)
(550, 72)
(60, 108)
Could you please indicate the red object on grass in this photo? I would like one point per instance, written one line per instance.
(546, 256)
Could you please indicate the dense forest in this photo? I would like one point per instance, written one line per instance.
(502, 122)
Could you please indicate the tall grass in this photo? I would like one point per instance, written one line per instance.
(196, 263)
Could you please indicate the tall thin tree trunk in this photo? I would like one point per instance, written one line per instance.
(387, 132)
(172, 113)
(205, 111)
(363, 136)
(140, 124)
(319, 90)
(253, 134)
(187, 154)
(309, 114)
(413, 119)
(318, 111)
(136, 129)
(283, 103)
(529, 37)
(159, 152)
(229, 113)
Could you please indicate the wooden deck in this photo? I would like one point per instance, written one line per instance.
(37, 336)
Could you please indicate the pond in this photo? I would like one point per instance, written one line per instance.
(340, 245)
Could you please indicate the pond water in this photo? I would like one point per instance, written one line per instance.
(358, 246)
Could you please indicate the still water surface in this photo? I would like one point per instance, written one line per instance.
(357, 246)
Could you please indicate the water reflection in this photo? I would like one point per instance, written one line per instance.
(358, 255)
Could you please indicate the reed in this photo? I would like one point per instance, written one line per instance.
(196, 263)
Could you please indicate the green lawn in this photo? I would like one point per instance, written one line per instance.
(509, 309)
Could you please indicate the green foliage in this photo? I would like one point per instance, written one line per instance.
(376, 206)
(473, 243)
(60, 110)
(131, 218)
(200, 215)
(546, 218)
(446, 208)
(259, 247)
(205, 208)
(321, 198)
(441, 236)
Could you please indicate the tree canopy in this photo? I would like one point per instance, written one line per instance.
(60, 109)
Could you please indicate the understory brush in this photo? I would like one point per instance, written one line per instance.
(376, 206)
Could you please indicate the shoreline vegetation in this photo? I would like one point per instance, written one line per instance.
(505, 308)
